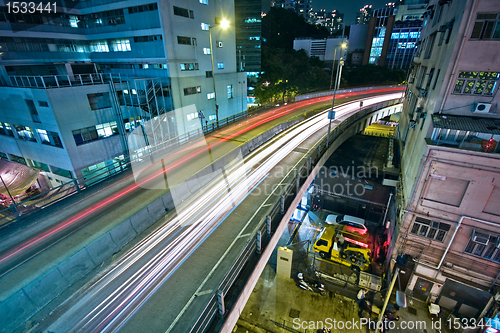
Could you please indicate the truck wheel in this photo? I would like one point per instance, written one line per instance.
(322, 255)
(344, 256)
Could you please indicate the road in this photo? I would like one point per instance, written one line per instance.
(121, 297)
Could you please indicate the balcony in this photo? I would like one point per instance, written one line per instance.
(467, 133)
(59, 81)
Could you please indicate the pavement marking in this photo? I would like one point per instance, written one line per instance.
(267, 205)
(184, 309)
(245, 235)
(205, 292)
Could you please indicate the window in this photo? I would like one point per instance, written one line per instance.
(487, 26)
(211, 117)
(211, 95)
(449, 25)
(209, 74)
(106, 130)
(206, 50)
(49, 138)
(186, 40)
(143, 8)
(435, 81)
(33, 111)
(43, 104)
(430, 45)
(429, 79)
(5, 129)
(477, 83)
(192, 116)
(220, 65)
(430, 229)
(99, 101)
(121, 45)
(204, 2)
(229, 91)
(192, 90)
(205, 26)
(99, 46)
(189, 66)
(96, 132)
(484, 245)
(183, 12)
(24, 133)
(145, 39)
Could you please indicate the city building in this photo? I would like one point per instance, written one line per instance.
(449, 239)
(357, 42)
(364, 15)
(333, 21)
(324, 49)
(76, 83)
(393, 34)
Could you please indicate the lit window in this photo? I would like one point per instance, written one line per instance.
(229, 91)
(134, 92)
(73, 21)
(206, 50)
(220, 65)
(99, 46)
(125, 91)
(477, 83)
(204, 2)
(211, 117)
(205, 26)
(211, 95)
(121, 45)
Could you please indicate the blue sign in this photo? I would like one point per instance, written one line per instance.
(331, 114)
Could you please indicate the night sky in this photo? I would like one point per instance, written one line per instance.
(348, 7)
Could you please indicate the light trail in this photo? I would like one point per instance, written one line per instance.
(159, 254)
(250, 124)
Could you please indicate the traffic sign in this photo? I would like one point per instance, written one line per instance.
(200, 114)
(331, 114)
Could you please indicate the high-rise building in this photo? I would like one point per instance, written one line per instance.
(449, 240)
(393, 35)
(364, 15)
(75, 83)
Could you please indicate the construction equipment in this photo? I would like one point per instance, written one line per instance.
(349, 249)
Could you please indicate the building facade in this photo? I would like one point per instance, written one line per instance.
(393, 35)
(449, 130)
(77, 82)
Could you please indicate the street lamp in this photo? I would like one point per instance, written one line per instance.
(331, 114)
(224, 24)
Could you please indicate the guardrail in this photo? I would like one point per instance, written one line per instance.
(45, 199)
(343, 91)
(262, 234)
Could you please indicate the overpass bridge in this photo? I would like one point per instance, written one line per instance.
(208, 282)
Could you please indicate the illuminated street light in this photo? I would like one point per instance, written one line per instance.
(224, 24)
(331, 114)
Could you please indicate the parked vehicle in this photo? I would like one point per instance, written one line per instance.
(353, 224)
(338, 245)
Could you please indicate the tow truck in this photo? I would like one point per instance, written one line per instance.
(338, 245)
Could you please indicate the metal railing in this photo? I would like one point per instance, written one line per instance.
(61, 81)
(342, 91)
(263, 232)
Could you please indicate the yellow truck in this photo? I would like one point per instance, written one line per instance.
(349, 249)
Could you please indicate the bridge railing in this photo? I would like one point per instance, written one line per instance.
(224, 296)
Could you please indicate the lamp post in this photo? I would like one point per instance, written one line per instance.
(331, 114)
(224, 24)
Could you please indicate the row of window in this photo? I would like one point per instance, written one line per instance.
(476, 83)
(211, 95)
(133, 66)
(64, 45)
(93, 133)
(26, 133)
(481, 244)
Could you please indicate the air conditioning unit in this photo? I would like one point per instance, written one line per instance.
(480, 238)
(481, 108)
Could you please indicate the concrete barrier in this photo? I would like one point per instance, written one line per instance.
(77, 266)
(122, 233)
(141, 220)
(15, 310)
(102, 248)
(45, 288)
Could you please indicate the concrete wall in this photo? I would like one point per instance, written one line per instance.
(24, 303)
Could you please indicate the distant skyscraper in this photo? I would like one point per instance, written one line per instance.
(301, 7)
(364, 15)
